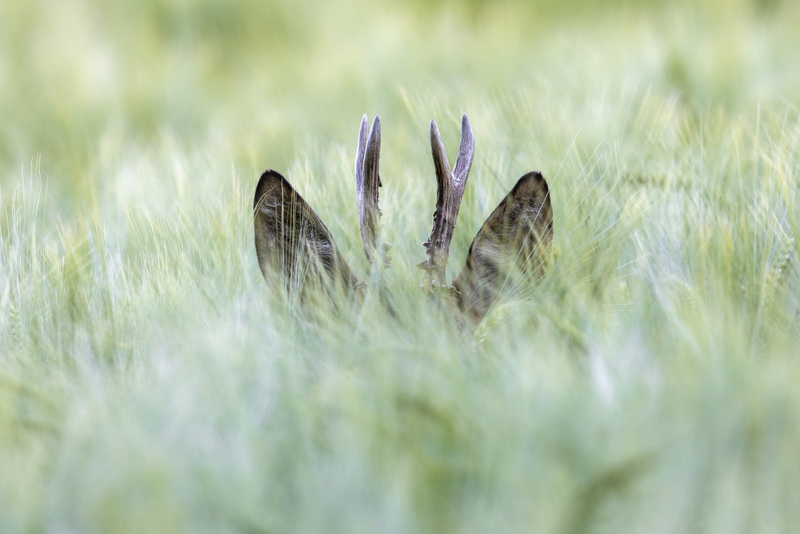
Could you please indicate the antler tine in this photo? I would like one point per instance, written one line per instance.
(440, 162)
(368, 181)
(465, 152)
(449, 192)
(362, 148)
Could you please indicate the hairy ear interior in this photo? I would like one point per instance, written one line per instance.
(514, 240)
(292, 243)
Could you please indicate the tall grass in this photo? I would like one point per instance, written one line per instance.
(151, 382)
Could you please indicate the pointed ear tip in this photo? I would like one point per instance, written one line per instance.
(269, 179)
(533, 175)
(268, 176)
(533, 180)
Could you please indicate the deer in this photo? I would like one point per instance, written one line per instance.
(293, 245)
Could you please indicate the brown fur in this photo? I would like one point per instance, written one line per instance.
(292, 242)
(515, 237)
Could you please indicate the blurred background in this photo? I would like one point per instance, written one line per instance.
(86, 82)
(151, 382)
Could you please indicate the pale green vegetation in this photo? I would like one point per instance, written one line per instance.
(151, 382)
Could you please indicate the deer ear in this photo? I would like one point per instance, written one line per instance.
(513, 240)
(292, 243)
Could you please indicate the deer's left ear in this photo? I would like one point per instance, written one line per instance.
(516, 236)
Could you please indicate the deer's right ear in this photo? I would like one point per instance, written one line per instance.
(292, 243)
(513, 240)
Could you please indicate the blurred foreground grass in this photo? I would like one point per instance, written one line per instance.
(150, 382)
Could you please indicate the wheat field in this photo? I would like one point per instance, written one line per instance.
(151, 381)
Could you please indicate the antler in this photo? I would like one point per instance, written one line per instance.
(448, 199)
(368, 181)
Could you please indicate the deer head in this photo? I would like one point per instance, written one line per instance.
(296, 249)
